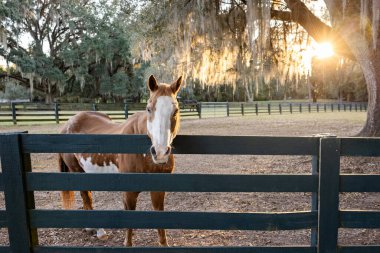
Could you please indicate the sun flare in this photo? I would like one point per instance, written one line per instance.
(323, 50)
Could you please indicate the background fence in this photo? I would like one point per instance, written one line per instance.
(36, 112)
(222, 109)
(22, 218)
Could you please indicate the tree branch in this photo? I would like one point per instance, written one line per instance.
(22, 81)
(281, 15)
(315, 27)
(13, 44)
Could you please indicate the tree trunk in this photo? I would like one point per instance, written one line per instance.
(368, 58)
(48, 93)
(48, 98)
(248, 92)
(372, 76)
(369, 61)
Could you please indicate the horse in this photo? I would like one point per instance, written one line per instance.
(160, 122)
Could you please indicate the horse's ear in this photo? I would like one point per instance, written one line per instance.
(152, 84)
(176, 85)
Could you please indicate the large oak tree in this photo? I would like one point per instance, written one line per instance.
(355, 34)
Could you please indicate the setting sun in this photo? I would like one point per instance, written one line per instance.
(323, 50)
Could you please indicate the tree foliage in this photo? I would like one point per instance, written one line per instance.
(70, 46)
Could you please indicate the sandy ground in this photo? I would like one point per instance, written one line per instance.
(341, 124)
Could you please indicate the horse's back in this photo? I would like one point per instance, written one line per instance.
(91, 123)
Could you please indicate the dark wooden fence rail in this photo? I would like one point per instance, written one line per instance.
(22, 218)
(36, 112)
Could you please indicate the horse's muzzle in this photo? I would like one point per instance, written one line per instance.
(160, 155)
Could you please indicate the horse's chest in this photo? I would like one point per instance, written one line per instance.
(138, 163)
(98, 163)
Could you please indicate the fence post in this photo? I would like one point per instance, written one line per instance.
(269, 109)
(317, 107)
(314, 200)
(228, 109)
(300, 108)
(126, 110)
(199, 109)
(257, 109)
(291, 108)
(360, 107)
(356, 107)
(13, 106)
(314, 195)
(94, 107)
(350, 107)
(338, 107)
(328, 219)
(325, 107)
(30, 197)
(309, 107)
(332, 107)
(56, 112)
(344, 107)
(21, 236)
(280, 108)
(242, 109)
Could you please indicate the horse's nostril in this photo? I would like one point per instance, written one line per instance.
(168, 151)
(153, 151)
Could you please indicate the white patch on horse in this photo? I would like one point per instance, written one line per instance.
(89, 167)
(159, 128)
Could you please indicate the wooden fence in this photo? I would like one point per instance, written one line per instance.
(36, 112)
(222, 109)
(324, 218)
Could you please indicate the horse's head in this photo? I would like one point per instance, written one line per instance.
(162, 117)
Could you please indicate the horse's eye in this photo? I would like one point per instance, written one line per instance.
(148, 110)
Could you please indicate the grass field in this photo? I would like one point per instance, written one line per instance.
(342, 124)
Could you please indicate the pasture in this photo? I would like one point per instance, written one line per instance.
(341, 124)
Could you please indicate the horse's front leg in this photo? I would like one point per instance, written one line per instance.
(87, 205)
(130, 200)
(158, 199)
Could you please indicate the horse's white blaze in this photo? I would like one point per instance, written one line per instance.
(159, 127)
(89, 167)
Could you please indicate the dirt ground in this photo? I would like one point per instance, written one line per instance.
(341, 124)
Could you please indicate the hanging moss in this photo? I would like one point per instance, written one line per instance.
(224, 42)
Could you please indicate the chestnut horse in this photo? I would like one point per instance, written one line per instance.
(160, 122)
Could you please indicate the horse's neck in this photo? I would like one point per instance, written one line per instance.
(136, 124)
